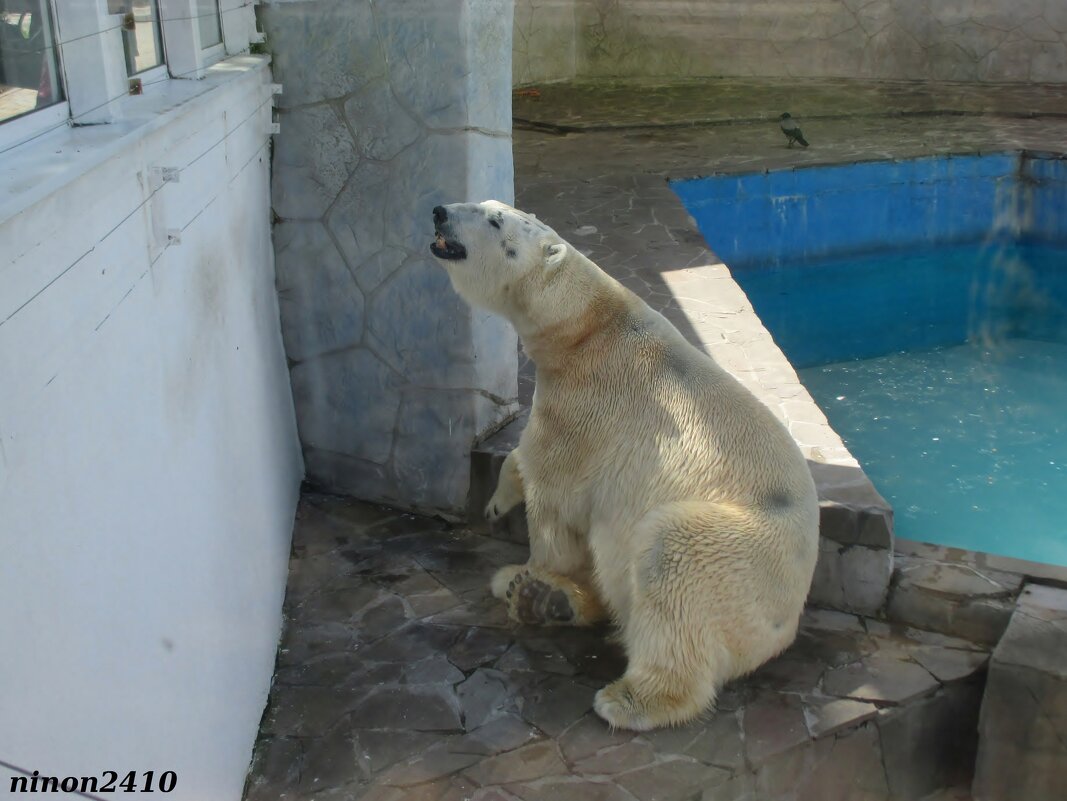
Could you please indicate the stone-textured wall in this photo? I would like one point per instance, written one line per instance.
(388, 109)
(950, 40)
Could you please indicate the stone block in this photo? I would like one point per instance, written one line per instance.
(321, 307)
(1023, 726)
(845, 768)
(851, 578)
(826, 716)
(851, 511)
(957, 599)
(931, 743)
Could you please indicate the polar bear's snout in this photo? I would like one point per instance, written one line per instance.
(445, 244)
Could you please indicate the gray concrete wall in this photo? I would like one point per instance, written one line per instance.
(388, 109)
(951, 40)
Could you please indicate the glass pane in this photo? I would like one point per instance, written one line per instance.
(210, 28)
(29, 78)
(140, 33)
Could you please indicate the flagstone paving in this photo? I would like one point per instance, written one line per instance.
(400, 677)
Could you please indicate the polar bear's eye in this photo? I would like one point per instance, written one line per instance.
(494, 223)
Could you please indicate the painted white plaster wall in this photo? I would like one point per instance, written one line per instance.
(149, 466)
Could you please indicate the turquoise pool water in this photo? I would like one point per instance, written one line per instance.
(924, 303)
(945, 371)
(968, 443)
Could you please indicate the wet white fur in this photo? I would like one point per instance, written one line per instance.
(652, 478)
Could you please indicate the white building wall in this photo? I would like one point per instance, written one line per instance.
(149, 466)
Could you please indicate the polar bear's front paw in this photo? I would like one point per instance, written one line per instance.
(531, 600)
(500, 504)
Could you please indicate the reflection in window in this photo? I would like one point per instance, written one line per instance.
(207, 12)
(29, 78)
(141, 39)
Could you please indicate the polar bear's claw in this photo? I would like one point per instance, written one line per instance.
(616, 705)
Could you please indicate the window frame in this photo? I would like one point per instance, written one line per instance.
(18, 130)
(31, 124)
(91, 61)
(151, 74)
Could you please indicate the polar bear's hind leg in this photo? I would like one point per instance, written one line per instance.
(691, 629)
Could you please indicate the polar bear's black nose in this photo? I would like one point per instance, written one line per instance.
(439, 215)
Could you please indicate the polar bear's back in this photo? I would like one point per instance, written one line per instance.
(684, 423)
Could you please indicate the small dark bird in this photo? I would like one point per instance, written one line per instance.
(792, 130)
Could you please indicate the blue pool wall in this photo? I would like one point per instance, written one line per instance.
(1044, 198)
(903, 255)
(812, 213)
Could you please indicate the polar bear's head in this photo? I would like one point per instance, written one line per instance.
(507, 261)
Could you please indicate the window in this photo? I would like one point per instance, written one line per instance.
(142, 41)
(29, 67)
(57, 57)
(207, 12)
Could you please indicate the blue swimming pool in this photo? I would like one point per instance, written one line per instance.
(924, 304)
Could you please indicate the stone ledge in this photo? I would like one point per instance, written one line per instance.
(951, 597)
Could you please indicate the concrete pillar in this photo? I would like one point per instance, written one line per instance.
(388, 109)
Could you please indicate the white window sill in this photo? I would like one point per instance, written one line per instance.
(40, 167)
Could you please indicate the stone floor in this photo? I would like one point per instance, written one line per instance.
(399, 677)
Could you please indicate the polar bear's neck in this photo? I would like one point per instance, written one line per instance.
(556, 342)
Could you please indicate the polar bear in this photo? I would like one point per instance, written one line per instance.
(658, 490)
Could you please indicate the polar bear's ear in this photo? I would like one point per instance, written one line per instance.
(555, 254)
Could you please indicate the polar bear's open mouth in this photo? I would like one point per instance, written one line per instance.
(444, 248)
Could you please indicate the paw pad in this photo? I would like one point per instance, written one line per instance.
(536, 601)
